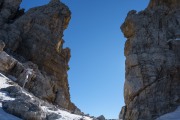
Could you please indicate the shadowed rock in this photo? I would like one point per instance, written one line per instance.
(101, 117)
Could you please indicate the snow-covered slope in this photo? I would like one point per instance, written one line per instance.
(4, 97)
(62, 114)
(171, 116)
(66, 115)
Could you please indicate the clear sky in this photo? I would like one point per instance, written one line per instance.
(97, 66)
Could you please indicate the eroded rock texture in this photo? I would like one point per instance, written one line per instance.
(33, 41)
(152, 85)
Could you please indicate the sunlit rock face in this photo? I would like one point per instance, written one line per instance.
(33, 39)
(152, 53)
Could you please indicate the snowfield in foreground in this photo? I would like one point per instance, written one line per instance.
(64, 115)
(5, 82)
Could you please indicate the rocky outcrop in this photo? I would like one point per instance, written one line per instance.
(17, 101)
(101, 117)
(33, 49)
(152, 82)
(24, 108)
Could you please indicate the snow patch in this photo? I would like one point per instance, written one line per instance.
(26, 93)
(171, 116)
(4, 84)
(3, 81)
(64, 115)
(5, 97)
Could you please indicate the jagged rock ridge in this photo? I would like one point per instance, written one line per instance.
(33, 39)
(152, 82)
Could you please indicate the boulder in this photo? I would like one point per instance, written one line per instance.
(6, 62)
(101, 117)
(23, 109)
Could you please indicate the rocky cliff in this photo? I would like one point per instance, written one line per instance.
(152, 84)
(33, 53)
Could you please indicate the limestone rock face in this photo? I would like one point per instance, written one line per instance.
(33, 41)
(169, 3)
(152, 82)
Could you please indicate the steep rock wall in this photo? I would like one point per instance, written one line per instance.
(34, 39)
(152, 53)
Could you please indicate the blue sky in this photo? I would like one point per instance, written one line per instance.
(97, 65)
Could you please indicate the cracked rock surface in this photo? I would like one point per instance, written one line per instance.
(33, 41)
(152, 53)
